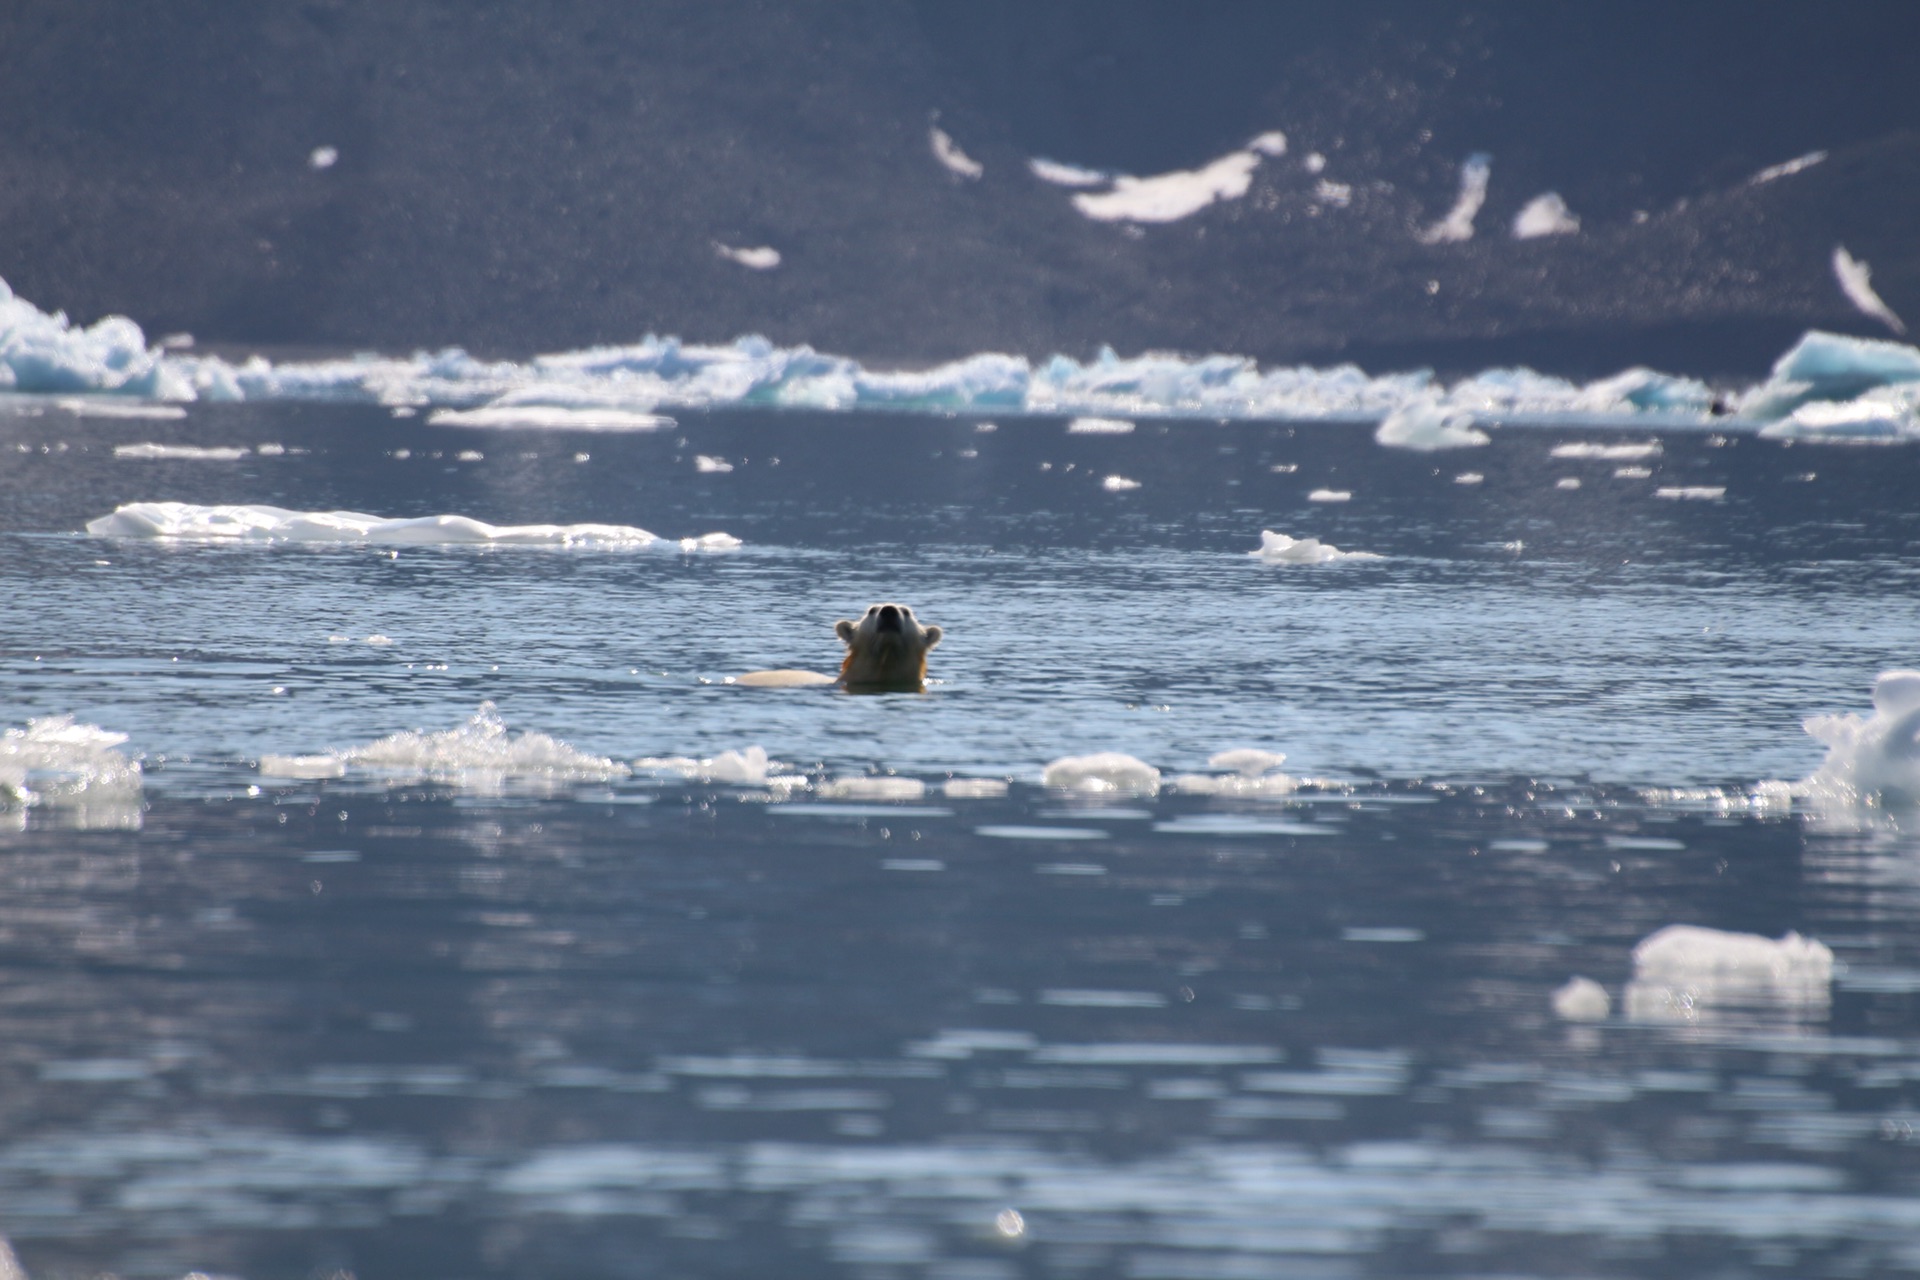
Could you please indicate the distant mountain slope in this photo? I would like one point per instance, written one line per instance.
(518, 178)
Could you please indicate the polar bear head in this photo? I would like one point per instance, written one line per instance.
(886, 649)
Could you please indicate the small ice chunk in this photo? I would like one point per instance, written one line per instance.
(1619, 452)
(1337, 194)
(1457, 226)
(323, 157)
(874, 788)
(754, 258)
(1685, 954)
(1567, 482)
(1169, 197)
(974, 788)
(1066, 175)
(179, 452)
(1632, 473)
(510, 416)
(1545, 215)
(1119, 484)
(54, 761)
(1426, 426)
(272, 450)
(1099, 427)
(1582, 1000)
(1279, 548)
(1249, 762)
(1856, 281)
(1314, 162)
(481, 752)
(748, 767)
(470, 455)
(1103, 771)
(1469, 477)
(951, 157)
(95, 407)
(711, 465)
(1271, 143)
(1691, 492)
(1330, 495)
(321, 766)
(1873, 760)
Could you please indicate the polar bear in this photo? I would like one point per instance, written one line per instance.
(886, 653)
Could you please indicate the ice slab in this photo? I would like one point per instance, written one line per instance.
(1872, 760)
(1169, 197)
(1246, 771)
(1428, 426)
(481, 753)
(1606, 452)
(1545, 215)
(746, 767)
(1831, 367)
(874, 788)
(1582, 1000)
(1687, 973)
(1099, 427)
(1856, 281)
(951, 157)
(187, 522)
(1457, 226)
(75, 768)
(181, 452)
(1103, 771)
(510, 416)
(1279, 548)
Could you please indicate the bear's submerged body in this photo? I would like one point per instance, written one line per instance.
(886, 653)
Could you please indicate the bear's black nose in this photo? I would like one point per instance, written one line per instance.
(889, 618)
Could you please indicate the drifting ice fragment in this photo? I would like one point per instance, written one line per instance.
(1427, 426)
(55, 762)
(1066, 175)
(186, 522)
(180, 452)
(1582, 1000)
(1099, 427)
(482, 752)
(1786, 168)
(951, 157)
(1168, 197)
(1871, 761)
(1119, 484)
(1684, 973)
(1105, 771)
(1330, 495)
(1278, 548)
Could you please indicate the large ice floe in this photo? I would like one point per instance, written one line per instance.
(1872, 761)
(480, 755)
(186, 522)
(1694, 975)
(1827, 387)
(74, 769)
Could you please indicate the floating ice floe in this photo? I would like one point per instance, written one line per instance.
(510, 416)
(181, 452)
(1279, 548)
(320, 766)
(1545, 215)
(1330, 495)
(1871, 761)
(1689, 974)
(1831, 367)
(1856, 281)
(974, 788)
(1606, 452)
(861, 787)
(1104, 771)
(480, 754)
(46, 353)
(1099, 427)
(1247, 771)
(1582, 1000)
(1119, 484)
(1457, 226)
(745, 768)
(1428, 426)
(1884, 415)
(187, 522)
(1066, 175)
(101, 407)
(74, 768)
(1691, 492)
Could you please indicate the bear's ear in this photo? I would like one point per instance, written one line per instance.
(932, 636)
(845, 630)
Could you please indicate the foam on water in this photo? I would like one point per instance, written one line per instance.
(1279, 548)
(621, 388)
(187, 522)
(74, 767)
(1872, 760)
(1427, 426)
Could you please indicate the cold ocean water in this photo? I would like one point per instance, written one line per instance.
(461, 919)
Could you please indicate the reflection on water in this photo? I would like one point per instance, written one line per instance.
(396, 1030)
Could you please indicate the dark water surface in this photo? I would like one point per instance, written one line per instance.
(268, 1027)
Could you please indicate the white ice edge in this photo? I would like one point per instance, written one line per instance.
(1826, 387)
(75, 768)
(188, 522)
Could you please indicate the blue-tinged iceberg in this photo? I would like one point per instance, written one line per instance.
(623, 387)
